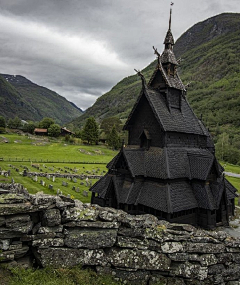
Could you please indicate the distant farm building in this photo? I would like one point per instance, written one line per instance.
(65, 132)
(40, 132)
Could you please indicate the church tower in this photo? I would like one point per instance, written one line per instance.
(168, 167)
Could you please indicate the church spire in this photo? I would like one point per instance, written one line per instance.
(169, 40)
(170, 19)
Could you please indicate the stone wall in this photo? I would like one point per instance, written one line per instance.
(58, 231)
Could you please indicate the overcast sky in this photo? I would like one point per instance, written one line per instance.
(82, 48)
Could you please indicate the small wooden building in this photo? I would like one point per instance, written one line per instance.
(65, 131)
(40, 132)
(168, 168)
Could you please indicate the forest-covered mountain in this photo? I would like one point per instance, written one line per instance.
(209, 53)
(29, 101)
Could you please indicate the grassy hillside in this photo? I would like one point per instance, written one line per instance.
(20, 97)
(13, 104)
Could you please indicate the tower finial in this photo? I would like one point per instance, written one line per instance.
(170, 18)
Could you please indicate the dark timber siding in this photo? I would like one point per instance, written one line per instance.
(145, 120)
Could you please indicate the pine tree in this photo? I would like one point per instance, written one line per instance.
(113, 139)
(90, 131)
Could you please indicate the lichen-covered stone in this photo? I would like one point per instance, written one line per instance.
(231, 272)
(171, 247)
(139, 259)
(44, 243)
(79, 214)
(12, 198)
(125, 277)
(68, 257)
(190, 270)
(12, 254)
(51, 218)
(215, 269)
(224, 257)
(156, 233)
(183, 256)
(45, 230)
(90, 238)
(97, 224)
(208, 259)
(129, 242)
(204, 247)
(135, 232)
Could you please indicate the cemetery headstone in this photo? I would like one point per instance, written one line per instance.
(53, 178)
(85, 193)
(74, 188)
(50, 186)
(77, 190)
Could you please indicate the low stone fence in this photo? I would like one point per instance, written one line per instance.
(60, 232)
(60, 175)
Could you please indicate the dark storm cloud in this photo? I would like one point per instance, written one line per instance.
(81, 48)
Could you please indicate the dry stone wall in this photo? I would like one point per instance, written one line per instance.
(60, 232)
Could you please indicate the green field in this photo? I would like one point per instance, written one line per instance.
(52, 156)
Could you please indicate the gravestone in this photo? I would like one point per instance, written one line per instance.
(24, 172)
(63, 183)
(53, 178)
(74, 180)
(48, 176)
(85, 193)
(77, 190)
(50, 186)
(74, 188)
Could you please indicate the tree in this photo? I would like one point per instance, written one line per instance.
(14, 123)
(29, 127)
(113, 139)
(2, 122)
(46, 123)
(54, 130)
(90, 132)
(108, 123)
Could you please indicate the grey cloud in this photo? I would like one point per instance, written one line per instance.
(81, 48)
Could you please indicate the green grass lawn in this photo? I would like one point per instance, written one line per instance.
(231, 167)
(21, 151)
(35, 148)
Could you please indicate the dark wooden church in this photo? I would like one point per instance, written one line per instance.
(168, 168)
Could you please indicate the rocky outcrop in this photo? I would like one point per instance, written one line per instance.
(60, 232)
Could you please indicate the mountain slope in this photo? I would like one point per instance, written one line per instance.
(210, 60)
(29, 101)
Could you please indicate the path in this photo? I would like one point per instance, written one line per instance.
(232, 174)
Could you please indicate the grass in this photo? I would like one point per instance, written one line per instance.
(34, 148)
(231, 167)
(23, 151)
(50, 276)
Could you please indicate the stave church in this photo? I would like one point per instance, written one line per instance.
(168, 168)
